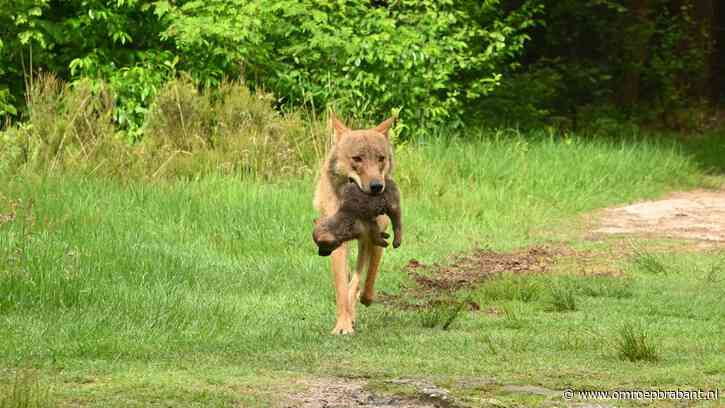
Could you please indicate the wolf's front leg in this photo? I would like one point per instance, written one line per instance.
(343, 325)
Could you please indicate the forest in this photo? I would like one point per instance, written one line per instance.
(437, 64)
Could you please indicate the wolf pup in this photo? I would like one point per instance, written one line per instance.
(364, 157)
(357, 214)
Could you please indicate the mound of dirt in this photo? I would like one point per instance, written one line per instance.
(478, 265)
(434, 282)
(695, 215)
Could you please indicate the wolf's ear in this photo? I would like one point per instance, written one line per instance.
(384, 127)
(338, 128)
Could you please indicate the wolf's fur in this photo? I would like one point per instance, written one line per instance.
(365, 157)
(357, 214)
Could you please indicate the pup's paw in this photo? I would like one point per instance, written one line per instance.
(380, 242)
(366, 299)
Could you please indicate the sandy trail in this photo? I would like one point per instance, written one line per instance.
(695, 215)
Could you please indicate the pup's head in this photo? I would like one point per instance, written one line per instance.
(325, 240)
(364, 156)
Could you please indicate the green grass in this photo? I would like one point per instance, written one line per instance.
(636, 345)
(25, 392)
(441, 315)
(563, 299)
(210, 293)
(647, 261)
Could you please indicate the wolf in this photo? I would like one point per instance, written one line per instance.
(358, 214)
(363, 157)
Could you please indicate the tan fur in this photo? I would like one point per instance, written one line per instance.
(364, 156)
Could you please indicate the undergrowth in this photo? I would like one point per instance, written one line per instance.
(188, 132)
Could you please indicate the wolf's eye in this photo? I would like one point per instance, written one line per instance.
(357, 159)
(381, 159)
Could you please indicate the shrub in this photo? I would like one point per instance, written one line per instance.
(230, 128)
(188, 132)
(67, 126)
(523, 99)
(427, 58)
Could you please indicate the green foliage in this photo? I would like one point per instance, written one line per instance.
(649, 62)
(526, 99)
(217, 39)
(231, 128)
(679, 53)
(437, 64)
(77, 38)
(425, 58)
(134, 86)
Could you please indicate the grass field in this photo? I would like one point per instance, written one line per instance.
(210, 293)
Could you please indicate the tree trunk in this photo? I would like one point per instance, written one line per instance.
(704, 39)
(717, 60)
(636, 36)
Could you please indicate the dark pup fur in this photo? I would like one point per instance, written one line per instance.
(357, 213)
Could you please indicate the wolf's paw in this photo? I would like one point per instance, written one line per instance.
(343, 327)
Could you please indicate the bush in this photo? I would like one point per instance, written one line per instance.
(230, 128)
(188, 132)
(523, 100)
(426, 58)
(67, 126)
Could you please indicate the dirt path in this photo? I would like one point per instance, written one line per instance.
(350, 392)
(696, 215)
(338, 392)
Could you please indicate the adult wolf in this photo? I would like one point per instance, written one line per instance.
(365, 157)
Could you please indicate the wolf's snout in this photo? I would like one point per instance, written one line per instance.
(376, 187)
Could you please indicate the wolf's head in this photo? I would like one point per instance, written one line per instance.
(363, 156)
